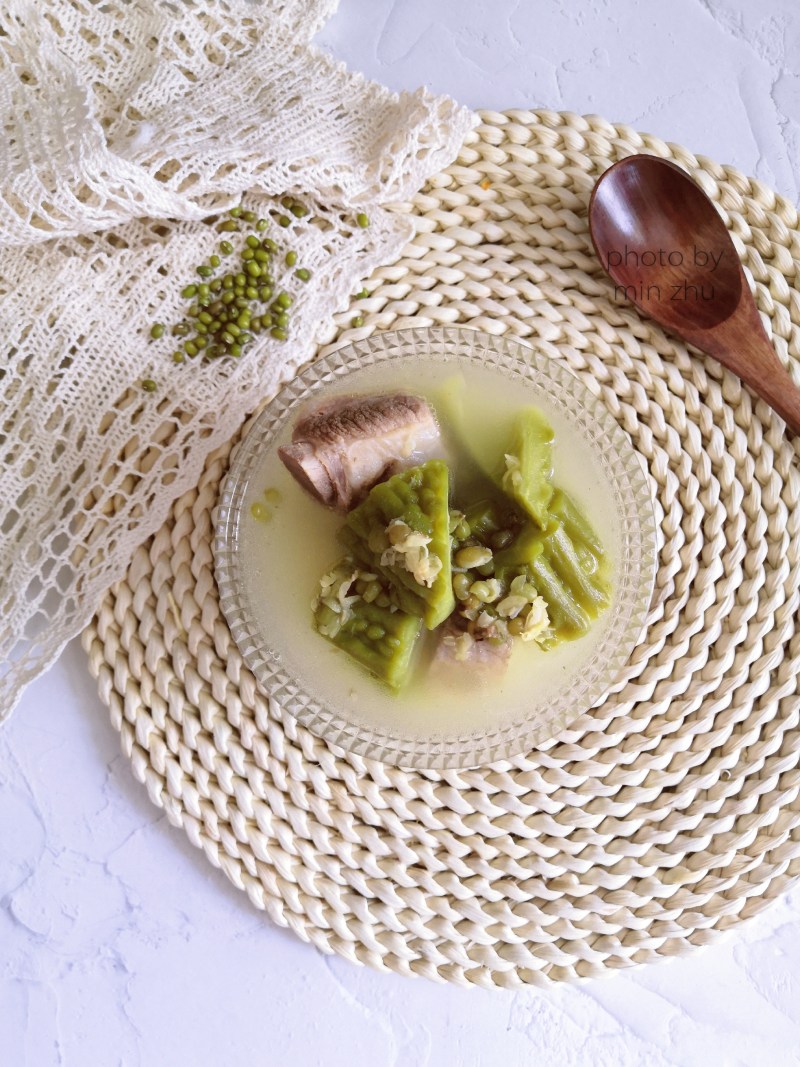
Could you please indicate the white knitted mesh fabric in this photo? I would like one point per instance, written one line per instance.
(127, 123)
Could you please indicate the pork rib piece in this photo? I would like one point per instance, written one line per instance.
(344, 447)
(457, 649)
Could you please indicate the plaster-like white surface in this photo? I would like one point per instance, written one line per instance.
(119, 944)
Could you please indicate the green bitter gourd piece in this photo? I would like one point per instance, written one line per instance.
(568, 574)
(557, 547)
(417, 497)
(380, 639)
(528, 474)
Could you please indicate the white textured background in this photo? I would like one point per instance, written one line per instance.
(119, 944)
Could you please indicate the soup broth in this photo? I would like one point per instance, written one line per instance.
(294, 542)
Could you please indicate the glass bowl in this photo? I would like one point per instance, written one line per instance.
(263, 571)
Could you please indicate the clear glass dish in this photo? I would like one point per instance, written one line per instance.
(266, 573)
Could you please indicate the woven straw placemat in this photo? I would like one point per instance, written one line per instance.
(664, 815)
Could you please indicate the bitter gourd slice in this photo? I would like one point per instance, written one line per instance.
(587, 586)
(487, 517)
(483, 518)
(568, 576)
(380, 639)
(528, 474)
(567, 618)
(575, 523)
(527, 546)
(401, 531)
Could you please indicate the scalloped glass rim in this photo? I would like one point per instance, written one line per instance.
(621, 463)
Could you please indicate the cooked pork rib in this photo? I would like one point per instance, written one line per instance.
(347, 445)
(458, 649)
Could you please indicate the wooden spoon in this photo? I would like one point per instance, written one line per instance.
(667, 250)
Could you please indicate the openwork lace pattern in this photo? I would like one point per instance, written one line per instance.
(127, 124)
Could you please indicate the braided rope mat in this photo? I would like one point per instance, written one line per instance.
(664, 815)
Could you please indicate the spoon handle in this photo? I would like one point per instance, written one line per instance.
(780, 392)
(749, 353)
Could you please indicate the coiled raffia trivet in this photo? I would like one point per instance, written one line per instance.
(663, 816)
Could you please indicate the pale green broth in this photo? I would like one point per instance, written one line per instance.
(284, 557)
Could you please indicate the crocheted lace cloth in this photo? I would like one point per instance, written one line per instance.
(126, 125)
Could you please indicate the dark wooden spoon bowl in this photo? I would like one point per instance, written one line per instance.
(667, 250)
